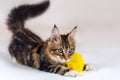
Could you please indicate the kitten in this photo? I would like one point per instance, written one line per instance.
(30, 50)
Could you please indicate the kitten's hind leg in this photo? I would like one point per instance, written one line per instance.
(88, 67)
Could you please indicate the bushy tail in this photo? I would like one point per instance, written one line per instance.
(17, 16)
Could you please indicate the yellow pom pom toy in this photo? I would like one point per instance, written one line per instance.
(76, 62)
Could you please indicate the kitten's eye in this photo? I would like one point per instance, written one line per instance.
(71, 50)
(60, 50)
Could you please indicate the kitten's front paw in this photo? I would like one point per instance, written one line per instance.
(88, 67)
(72, 73)
(14, 60)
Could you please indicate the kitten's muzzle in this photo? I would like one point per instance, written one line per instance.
(66, 56)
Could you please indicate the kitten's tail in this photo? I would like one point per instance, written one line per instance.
(17, 17)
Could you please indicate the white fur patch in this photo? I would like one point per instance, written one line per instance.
(58, 59)
(89, 68)
(72, 73)
(14, 60)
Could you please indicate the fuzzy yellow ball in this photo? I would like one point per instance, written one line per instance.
(76, 62)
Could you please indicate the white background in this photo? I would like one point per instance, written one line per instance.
(98, 37)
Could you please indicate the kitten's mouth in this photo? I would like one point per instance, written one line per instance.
(57, 59)
(62, 60)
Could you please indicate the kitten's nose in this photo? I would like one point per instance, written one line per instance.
(65, 56)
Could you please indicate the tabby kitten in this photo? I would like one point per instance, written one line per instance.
(28, 49)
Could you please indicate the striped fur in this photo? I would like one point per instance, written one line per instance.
(30, 50)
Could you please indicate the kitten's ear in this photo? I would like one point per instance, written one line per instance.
(71, 35)
(55, 35)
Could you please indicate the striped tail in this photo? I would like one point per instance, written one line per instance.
(17, 16)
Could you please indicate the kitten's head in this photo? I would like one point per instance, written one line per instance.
(60, 48)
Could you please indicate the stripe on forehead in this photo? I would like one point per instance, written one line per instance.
(65, 42)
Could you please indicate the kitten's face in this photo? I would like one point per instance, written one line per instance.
(61, 47)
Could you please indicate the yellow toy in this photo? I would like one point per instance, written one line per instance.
(76, 62)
